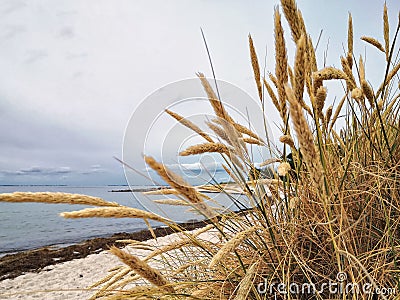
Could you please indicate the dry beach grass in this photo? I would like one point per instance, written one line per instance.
(336, 210)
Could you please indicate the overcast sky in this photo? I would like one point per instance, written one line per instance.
(73, 72)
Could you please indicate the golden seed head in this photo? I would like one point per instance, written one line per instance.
(113, 212)
(380, 104)
(357, 94)
(350, 38)
(294, 18)
(386, 30)
(328, 114)
(389, 77)
(252, 141)
(350, 81)
(311, 53)
(373, 42)
(293, 203)
(256, 67)
(283, 168)
(215, 102)
(281, 65)
(247, 282)
(368, 92)
(189, 125)
(329, 73)
(143, 269)
(203, 148)
(287, 139)
(270, 161)
(49, 197)
(320, 99)
(291, 76)
(242, 129)
(180, 185)
(338, 109)
(231, 245)
(305, 138)
(299, 69)
(272, 95)
(362, 69)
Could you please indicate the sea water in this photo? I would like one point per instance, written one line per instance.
(31, 225)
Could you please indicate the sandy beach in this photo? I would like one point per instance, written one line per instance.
(68, 280)
(71, 279)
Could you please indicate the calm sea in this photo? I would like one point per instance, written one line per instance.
(31, 225)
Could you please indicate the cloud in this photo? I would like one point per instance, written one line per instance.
(39, 175)
(35, 55)
(38, 171)
(72, 56)
(67, 32)
(44, 171)
(94, 169)
(12, 6)
(11, 31)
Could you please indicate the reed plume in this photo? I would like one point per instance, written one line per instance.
(218, 131)
(206, 147)
(386, 31)
(368, 92)
(273, 79)
(272, 96)
(246, 283)
(373, 42)
(214, 100)
(230, 245)
(320, 100)
(162, 192)
(281, 63)
(55, 198)
(293, 16)
(350, 81)
(350, 42)
(178, 202)
(283, 168)
(113, 212)
(270, 161)
(242, 129)
(252, 141)
(305, 137)
(329, 73)
(300, 73)
(256, 67)
(180, 185)
(389, 77)
(328, 114)
(337, 111)
(189, 125)
(357, 94)
(143, 269)
(312, 58)
(287, 139)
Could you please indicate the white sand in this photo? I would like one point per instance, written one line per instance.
(69, 280)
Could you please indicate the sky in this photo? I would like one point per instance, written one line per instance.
(73, 73)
